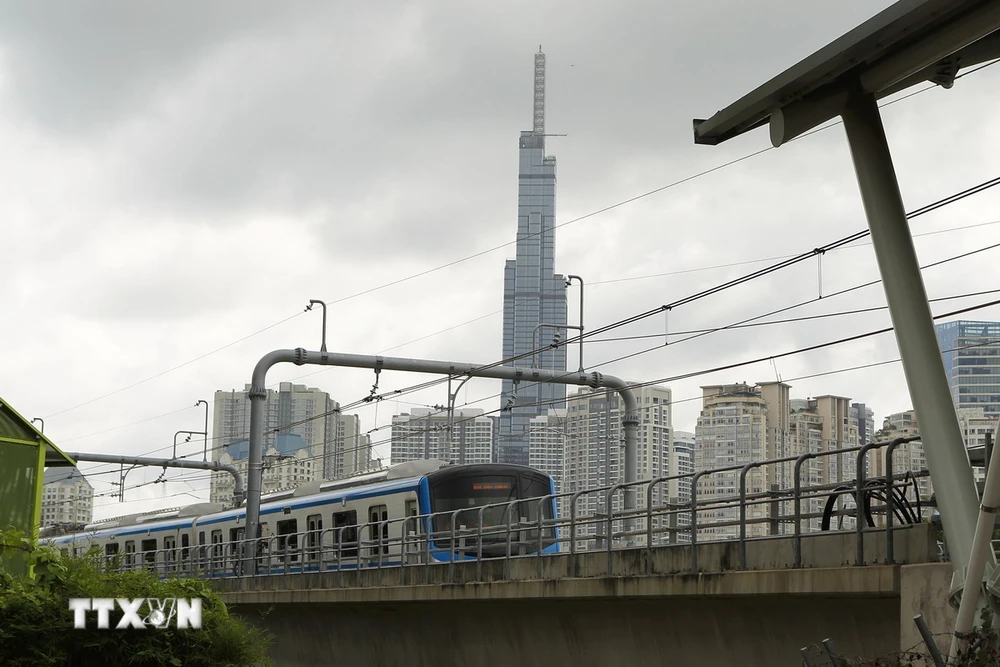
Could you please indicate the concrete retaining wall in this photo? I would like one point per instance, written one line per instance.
(724, 632)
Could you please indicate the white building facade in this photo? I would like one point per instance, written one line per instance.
(67, 498)
(424, 433)
(547, 444)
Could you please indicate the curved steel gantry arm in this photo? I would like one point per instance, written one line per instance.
(238, 492)
(300, 357)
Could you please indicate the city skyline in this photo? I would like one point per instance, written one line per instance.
(190, 206)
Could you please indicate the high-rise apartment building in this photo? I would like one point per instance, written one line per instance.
(534, 296)
(682, 464)
(351, 450)
(336, 447)
(423, 433)
(741, 424)
(908, 456)
(971, 355)
(975, 427)
(731, 430)
(547, 444)
(822, 424)
(593, 454)
(288, 463)
(67, 498)
(864, 419)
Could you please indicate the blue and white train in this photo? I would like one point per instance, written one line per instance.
(374, 519)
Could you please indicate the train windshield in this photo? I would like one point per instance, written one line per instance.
(502, 493)
(474, 491)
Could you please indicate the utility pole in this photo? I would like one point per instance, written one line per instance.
(569, 281)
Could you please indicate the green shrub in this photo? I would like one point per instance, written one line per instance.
(36, 624)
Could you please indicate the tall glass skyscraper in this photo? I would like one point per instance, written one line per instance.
(971, 353)
(533, 294)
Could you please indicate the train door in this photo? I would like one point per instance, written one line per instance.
(216, 549)
(345, 533)
(378, 532)
(314, 526)
(185, 551)
(288, 540)
(148, 549)
(235, 544)
(411, 530)
(129, 553)
(111, 555)
(170, 552)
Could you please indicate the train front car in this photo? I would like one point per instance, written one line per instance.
(472, 500)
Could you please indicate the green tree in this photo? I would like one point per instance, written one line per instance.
(36, 624)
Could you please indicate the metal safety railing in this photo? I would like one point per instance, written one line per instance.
(739, 503)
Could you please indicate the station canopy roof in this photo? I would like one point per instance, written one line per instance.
(909, 42)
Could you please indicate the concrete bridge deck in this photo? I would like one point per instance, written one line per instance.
(647, 609)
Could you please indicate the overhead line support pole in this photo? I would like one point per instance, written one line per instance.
(300, 357)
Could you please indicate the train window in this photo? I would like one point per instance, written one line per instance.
(314, 524)
(148, 548)
(185, 543)
(129, 552)
(64, 553)
(287, 538)
(111, 549)
(376, 515)
(348, 537)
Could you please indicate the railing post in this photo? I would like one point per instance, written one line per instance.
(427, 548)
(648, 565)
(859, 501)
(774, 510)
(694, 520)
(541, 505)
(890, 556)
(572, 525)
(611, 517)
(743, 512)
(511, 507)
(451, 551)
(479, 547)
(797, 510)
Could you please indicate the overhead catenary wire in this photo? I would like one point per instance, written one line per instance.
(420, 274)
(784, 309)
(715, 369)
(841, 292)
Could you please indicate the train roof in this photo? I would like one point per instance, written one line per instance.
(395, 478)
(388, 479)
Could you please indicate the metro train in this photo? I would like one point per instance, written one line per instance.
(316, 525)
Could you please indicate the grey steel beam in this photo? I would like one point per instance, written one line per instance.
(910, 312)
(238, 492)
(300, 357)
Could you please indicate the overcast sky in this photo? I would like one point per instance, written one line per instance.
(179, 176)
